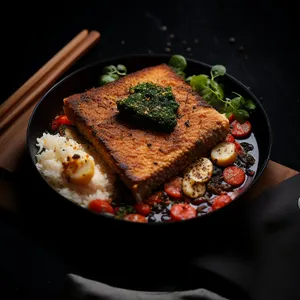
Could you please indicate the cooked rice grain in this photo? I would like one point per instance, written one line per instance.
(54, 150)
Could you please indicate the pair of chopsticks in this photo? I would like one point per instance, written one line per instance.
(42, 80)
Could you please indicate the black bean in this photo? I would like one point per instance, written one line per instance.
(208, 194)
(164, 196)
(217, 179)
(165, 218)
(240, 164)
(247, 147)
(201, 208)
(250, 172)
(157, 208)
(218, 187)
(247, 158)
(165, 211)
(199, 200)
(217, 171)
(151, 219)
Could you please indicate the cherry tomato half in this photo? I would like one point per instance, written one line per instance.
(154, 198)
(231, 118)
(100, 206)
(241, 130)
(230, 138)
(234, 175)
(142, 209)
(173, 188)
(135, 218)
(221, 201)
(182, 212)
(238, 148)
(60, 120)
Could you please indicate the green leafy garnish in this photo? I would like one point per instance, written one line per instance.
(217, 70)
(181, 74)
(106, 78)
(209, 89)
(111, 73)
(124, 210)
(121, 70)
(178, 64)
(238, 106)
(111, 69)
(213, 93)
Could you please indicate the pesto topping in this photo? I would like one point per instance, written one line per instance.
(153, 106)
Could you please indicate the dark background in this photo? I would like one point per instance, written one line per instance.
(264, 56)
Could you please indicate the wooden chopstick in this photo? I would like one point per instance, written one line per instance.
(46, 76)
(15, 97)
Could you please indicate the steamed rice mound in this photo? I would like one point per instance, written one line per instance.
(54, 150)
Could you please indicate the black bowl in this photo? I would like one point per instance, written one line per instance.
(87, 77)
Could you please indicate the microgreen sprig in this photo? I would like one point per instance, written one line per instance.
(213, 93)
(178, 64)
(111, 73)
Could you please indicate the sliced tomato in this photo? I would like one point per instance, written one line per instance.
(241, 130)
(220, 201)
(238, 148)
(174, 188)
(60, 120)
(101, 206)
(231, 118)
(182, 212)
(135, 218)
(142, 209)
(230, 138)
(234, 175)
(154, 198)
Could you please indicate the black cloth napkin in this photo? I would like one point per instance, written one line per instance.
(248, 250)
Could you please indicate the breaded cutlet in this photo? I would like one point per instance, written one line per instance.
(145, 159)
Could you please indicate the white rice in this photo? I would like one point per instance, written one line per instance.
(54, 150)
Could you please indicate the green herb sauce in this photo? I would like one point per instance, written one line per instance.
(153, 106)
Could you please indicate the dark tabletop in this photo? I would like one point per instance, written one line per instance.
(255, 40)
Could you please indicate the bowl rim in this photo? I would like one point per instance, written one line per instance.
(165, 56)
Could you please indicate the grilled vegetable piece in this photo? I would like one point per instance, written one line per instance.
(224, 154)
(193, 189)
(201, 170)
